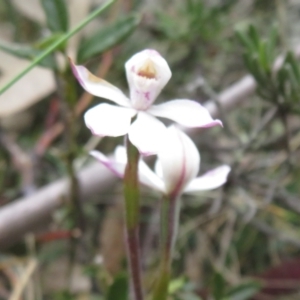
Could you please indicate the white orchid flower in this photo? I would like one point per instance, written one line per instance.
(176, 168)
(147, 73)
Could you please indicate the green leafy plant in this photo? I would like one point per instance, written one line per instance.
(277, 83)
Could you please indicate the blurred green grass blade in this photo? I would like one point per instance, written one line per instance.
(119, 288)
(218, 286)
(244, 291)
(263, 57)
(281, 77)
(254, 67)
(290, 59)
(291, 75)
(245, 41)
(253, 34)
(249, 62)
(57, 15)
(107, 38)
(176, 284)
(26, 52)
(56, 44)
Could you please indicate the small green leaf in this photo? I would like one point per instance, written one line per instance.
(218, 286)
(281, 78)
(249, 62)
(257, 71)
(243, 291)
(292, 78)
(107, 38)
(263, 57)
(57, 15)
(290, 59)
(119, 288)
(176, 284)
(253, 34)
(27, 52)
(245, 41)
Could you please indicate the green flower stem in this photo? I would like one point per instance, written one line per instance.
(56, 44)
(132, 206)
(170, 208)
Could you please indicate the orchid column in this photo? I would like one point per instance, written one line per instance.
(147, 73)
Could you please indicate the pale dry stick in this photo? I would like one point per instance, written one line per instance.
(20, 286)
(34, 289)
(25, 214)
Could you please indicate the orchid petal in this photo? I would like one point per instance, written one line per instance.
(147, 133)
(120, 155)
(117, 164)
(116, 167)
(146, 176)
(98, 86)
(179, 159)
(185, 112)
(147, 73)
(149, 178)
(109, 120)
(210, 180)
(158, 169)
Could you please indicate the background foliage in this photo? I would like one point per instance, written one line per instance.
(236, 243)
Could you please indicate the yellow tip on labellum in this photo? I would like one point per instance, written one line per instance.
(148, 69)
(94, 78)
